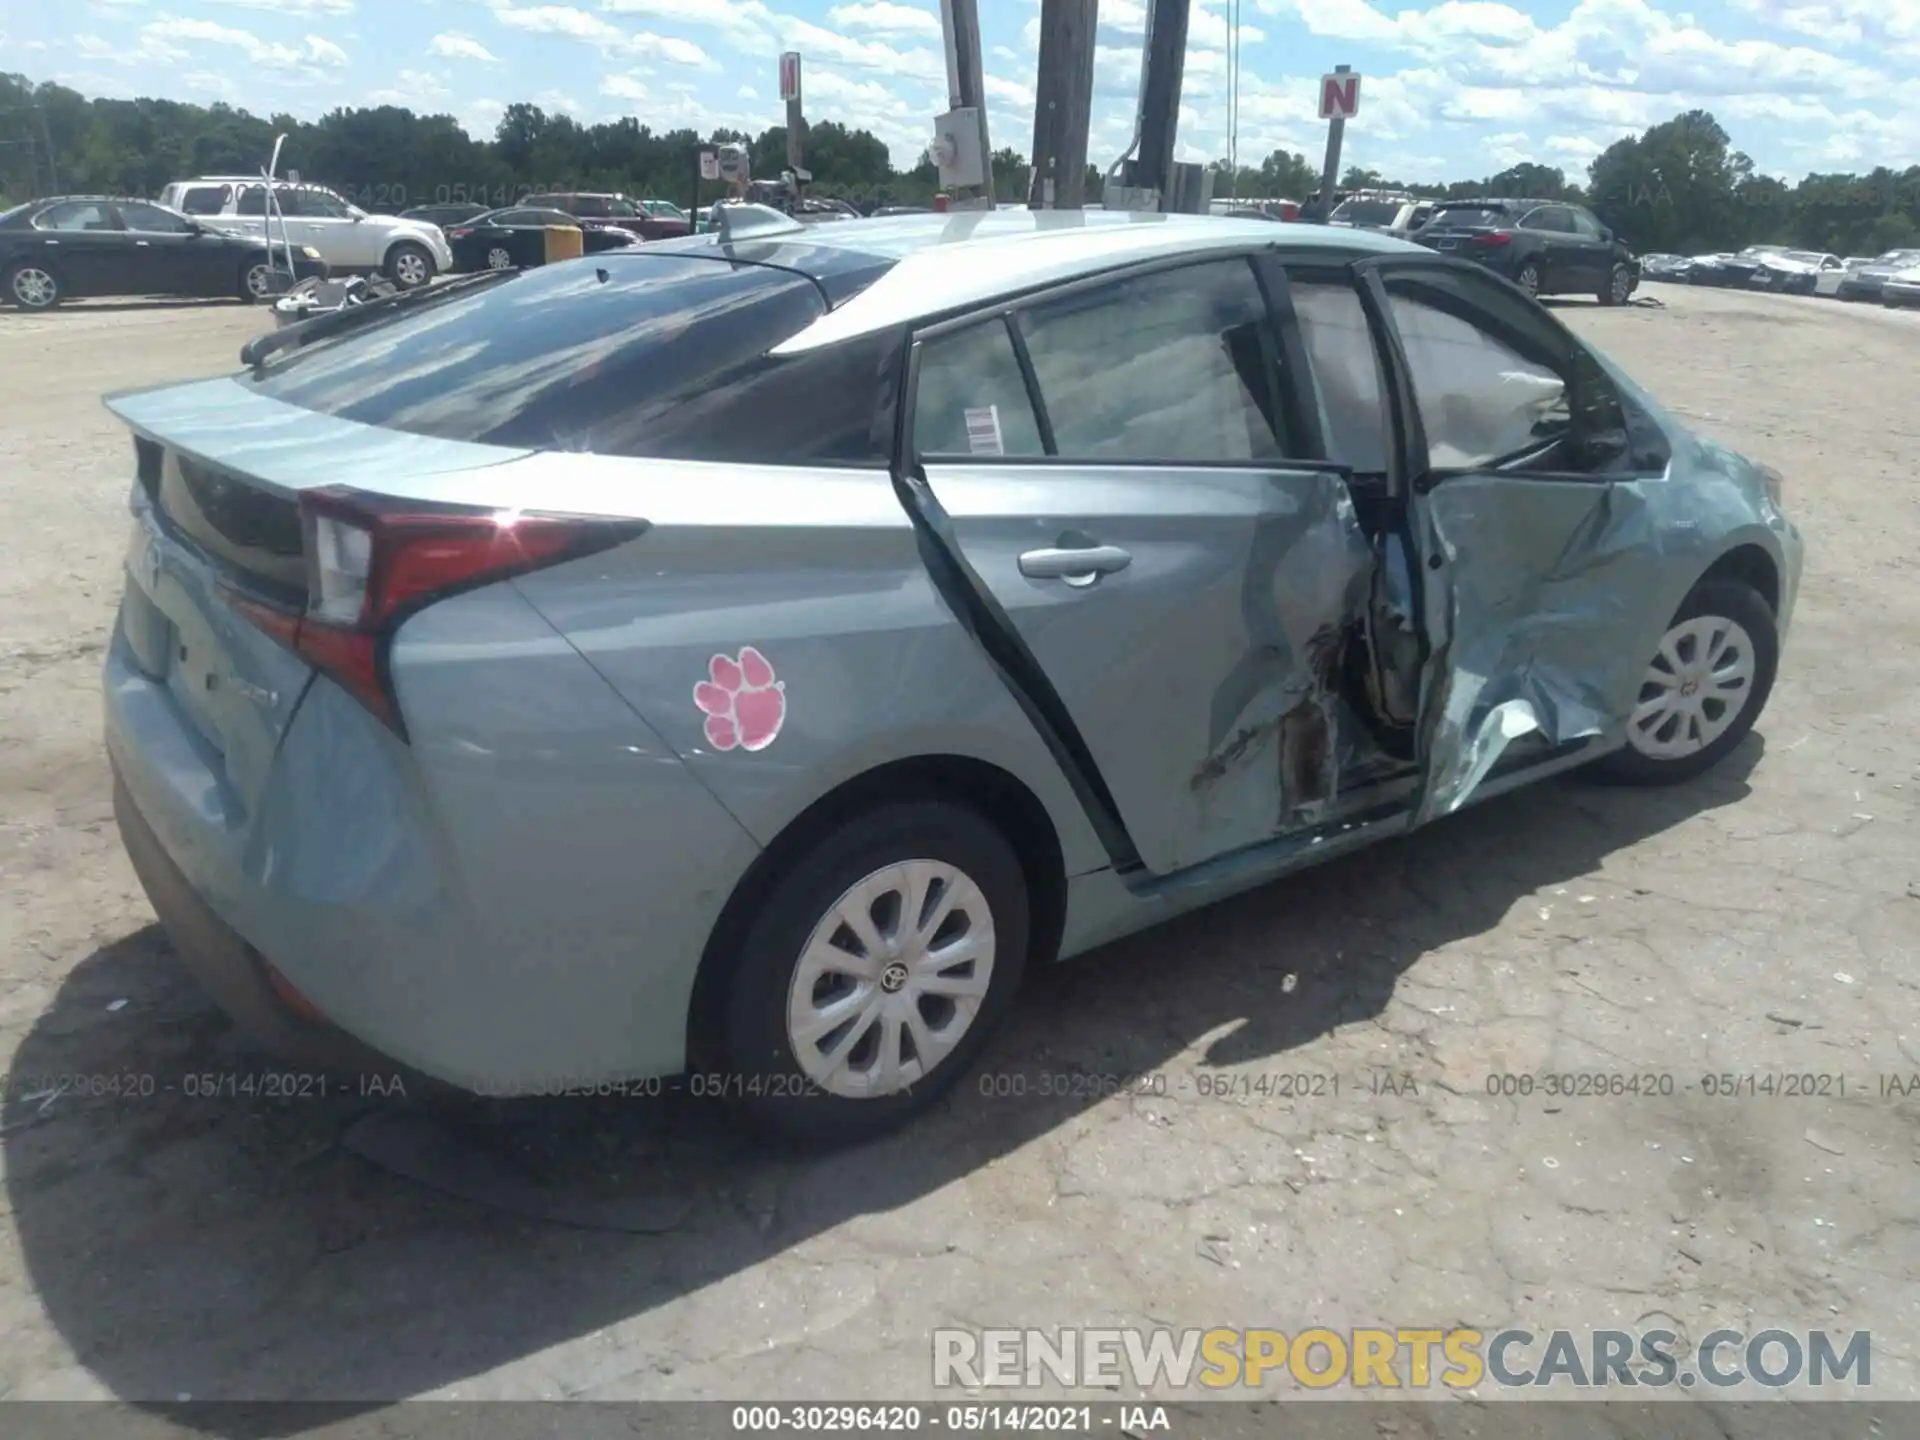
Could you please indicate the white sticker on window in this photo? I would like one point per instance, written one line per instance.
(983, 431)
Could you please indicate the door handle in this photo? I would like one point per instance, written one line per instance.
(1078, 567)
(140, 242)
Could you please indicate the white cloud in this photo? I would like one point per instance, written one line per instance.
(414, 90)
(610, 39)
(623, 87)
(292, 7)
(740, 16)
(747, 92)
(886, 17)
(557, 100)
(452, 45)
(811, 41)
(161, 40)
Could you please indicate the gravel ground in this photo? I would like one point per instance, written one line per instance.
(1760, 922)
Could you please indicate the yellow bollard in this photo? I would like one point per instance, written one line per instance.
(565, 242)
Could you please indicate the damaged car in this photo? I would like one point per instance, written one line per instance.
(740, 657)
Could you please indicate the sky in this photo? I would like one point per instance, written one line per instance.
(1454, 90)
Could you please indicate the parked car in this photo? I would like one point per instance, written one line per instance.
(70, 246)
(1546, 247)
(1865, 282)
(352, 242)
(649, 219)
(453, 212)
(1395, 214)
(1268, 208)
(745, 658)
(1829, 281)
(1902, 287)
(1665, 267)
(516, 237)
(1796, 272)
(1734, 270)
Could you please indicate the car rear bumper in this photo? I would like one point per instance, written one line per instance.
(520, 898)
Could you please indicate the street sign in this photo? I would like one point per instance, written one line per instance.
(709, 165)
(1339, 95)
(790, 75)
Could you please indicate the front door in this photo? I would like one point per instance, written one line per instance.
(1544, 600)
(167, 257)
(1112, 473)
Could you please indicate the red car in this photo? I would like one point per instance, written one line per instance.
(649, 219)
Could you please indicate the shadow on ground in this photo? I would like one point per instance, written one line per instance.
(176, 1240)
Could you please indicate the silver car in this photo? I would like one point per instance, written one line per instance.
(739, 658)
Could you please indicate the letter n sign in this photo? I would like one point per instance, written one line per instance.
(790, 75)
(1339, 96)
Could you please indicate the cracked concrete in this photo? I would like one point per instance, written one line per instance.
(1329, 1148)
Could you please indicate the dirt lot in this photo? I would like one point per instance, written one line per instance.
(1761, 922)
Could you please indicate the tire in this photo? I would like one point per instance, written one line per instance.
(755, 1057)
(34, 287)
(256, 276)
(409, 265)
(499, 258)
(1527, 277)
(1619, 287)
(1715, 602)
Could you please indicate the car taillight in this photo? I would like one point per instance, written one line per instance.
(1497, 237)
(372, 562)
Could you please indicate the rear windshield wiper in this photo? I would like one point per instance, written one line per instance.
(257, 351)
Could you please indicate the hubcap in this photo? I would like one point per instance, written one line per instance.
(1622, 286)
(891, 979)
(1694, 690)
(498, 259)
(259, 281)
(410, 269)
(33, 286)
(1530, 280)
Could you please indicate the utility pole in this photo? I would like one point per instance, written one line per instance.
(966, 85)
(1336, 132)
(53, 176)
(1063, 104)
(796, 119)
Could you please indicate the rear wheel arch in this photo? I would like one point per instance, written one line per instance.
(1002, 798)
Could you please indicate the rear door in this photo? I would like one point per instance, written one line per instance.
(1124, 484)
(1545, 594)
(83, 241)
(1564, 263)
(1596, 244)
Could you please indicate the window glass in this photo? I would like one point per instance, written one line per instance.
(1550, 217)
(79, 215)
(206, 199)
(668, 356)
(1495, 379)
(252, 201)
(971, 398)
(1366, 212)
(138, 215)
(315, 204)
(588, 206)
(1585, 224)
(621, 209)
(515, 217)
(1179, 365)
(1469, 216)
(1347, 366)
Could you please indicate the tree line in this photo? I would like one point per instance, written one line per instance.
(1680, 186)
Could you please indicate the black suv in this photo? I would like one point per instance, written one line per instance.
(1546, 247)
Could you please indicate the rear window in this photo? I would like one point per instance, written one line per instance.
(1470, 215)
(1367, 212)
(667, 357)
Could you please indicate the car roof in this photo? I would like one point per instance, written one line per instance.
(911, 267)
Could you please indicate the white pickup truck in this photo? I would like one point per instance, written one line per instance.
(410, 252)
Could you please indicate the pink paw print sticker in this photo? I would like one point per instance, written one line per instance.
(744, 704)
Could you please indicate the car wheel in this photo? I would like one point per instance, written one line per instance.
(499, 259)
(409, 266)
(1619, 287)
(1528, 278)
(256, 281)
(1706, 685)
(871, 974)
(33, 287)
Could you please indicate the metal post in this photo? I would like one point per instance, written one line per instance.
(1063, 104)
(966, 79)
(46, 135)
(1162, 69)
(1336, 132)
